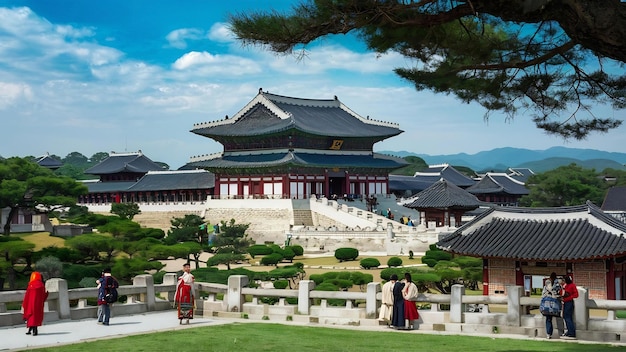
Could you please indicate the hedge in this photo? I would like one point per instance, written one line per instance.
(346, 254)
(394, 261)
(369, 263)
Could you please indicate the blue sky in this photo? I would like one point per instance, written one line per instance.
(128, 75)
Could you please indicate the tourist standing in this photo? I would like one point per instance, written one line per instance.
(409, 293)
(397, 315)
(32, 305)
(570, 292)
(387, 299)
(551, 288)
(107, 284)
(185, 294)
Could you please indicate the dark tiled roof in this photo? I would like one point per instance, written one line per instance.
(124, 162)
(401, 183)
(301, 158)
(174, 180)
(104, 187)
(520, 174)
(498, 183)
(540, 234)
(49, 162)
(443, 195)
(270, 113)
(436, 172)
(615, 199)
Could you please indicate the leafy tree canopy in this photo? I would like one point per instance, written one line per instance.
(553, 58)
(125, 210)
(564, 186)
(26, 185)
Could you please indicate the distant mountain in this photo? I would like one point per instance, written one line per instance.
(501, 159)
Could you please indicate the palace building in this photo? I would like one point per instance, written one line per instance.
(285, 147)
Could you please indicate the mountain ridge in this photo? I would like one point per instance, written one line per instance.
(537, 160)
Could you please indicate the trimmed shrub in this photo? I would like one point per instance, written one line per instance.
(394, 261)
(272, 259)
(288, 254)
(259, 249)
(438, 255)
(359, 278)
(431, 262)
(317, 278)
(346, 254)
(369, 263)
(297, 249)
(281, 284)
(385, 274)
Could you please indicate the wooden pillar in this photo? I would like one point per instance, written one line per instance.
(326, 184)
(610, 278)
(486, 277)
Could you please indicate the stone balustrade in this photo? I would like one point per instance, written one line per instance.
(456, 312)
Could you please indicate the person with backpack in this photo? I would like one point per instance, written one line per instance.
(107, 295)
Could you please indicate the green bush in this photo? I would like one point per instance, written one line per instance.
(431, 262)
(272, 259)
(288, 254)
(359, 278)
(394, 261)
(281, 284)
(346, 254)
(385, 274)
(368, 263)
(438, 255)
(317, 278)
(297, 249)
(259, 249)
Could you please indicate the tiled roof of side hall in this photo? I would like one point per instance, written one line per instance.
(435, 172)
(327, 159)
(540, 234)
(124, 162)
(269, 113)
(442, 195)
(105, 187)
(498, 183)
(174, 180)
(615, 199)
(401, 183)
(48, 161)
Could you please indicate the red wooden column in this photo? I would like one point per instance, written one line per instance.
(486, 277)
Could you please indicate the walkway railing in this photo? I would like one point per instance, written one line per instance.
(456, 312)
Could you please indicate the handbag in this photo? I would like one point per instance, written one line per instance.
(550, 306)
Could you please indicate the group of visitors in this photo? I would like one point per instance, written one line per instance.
(36, 295)
(564, 291)
(398, 302)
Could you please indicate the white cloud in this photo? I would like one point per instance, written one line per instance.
(178, 38)
(10, 93)
(220, 32)
(204, 63)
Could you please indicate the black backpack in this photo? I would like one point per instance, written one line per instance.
(110, 290)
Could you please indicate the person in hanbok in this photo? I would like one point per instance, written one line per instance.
(409, 292)
(387, 299)
(33, 303)
(397, 315)
(185, 294)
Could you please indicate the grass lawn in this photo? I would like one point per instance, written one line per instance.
(271, 337)
(42, 240)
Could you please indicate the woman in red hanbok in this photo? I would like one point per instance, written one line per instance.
(409, 292)
(34, 299)
(185, 294)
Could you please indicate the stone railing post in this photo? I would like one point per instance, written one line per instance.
(581, 311)
(371, 304)
(147, 297)
(456, 304)
(304, 300)
(234, 295)
(170, 279)
(62, 305)
(514, 308)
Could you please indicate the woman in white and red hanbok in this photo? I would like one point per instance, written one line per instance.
(185, 294)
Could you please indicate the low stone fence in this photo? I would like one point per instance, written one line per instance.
(455, 312)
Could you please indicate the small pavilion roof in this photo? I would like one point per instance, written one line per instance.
(270, 113)
(615, 199)
(49, 161)
(436, 172)
(498, 183)
(573, 233)
(443, 195)
(134, 162)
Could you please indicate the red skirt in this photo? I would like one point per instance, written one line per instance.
(410, 310)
